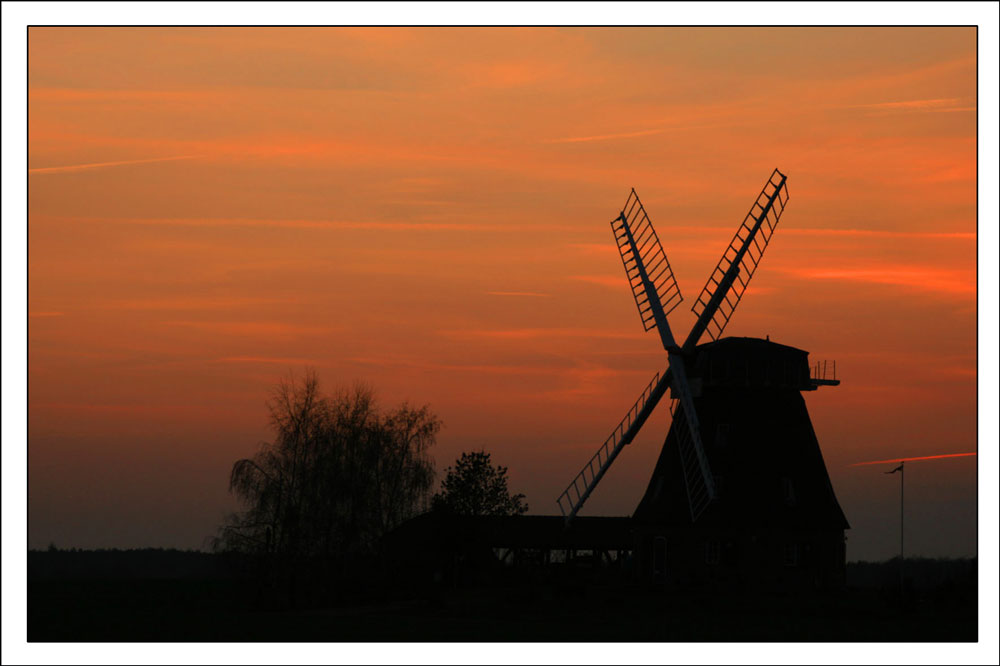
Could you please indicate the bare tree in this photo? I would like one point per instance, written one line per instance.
(339, 474)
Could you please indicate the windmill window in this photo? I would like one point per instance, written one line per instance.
(659, 555)
(791, 554)
(722, 435)
(788, 491)
(712, 552)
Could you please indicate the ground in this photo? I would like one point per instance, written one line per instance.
(200, 610)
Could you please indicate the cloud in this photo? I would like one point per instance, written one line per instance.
(870, 233)
(589, 380)
(114, 409)
(266, 359)
(918, 105)
(517, 293)
(594, 248)
(538, 333)
(430, 365)
(605, 137)
(917, 277)
(311, 224)
(253, 328)
(104, 165)
(193, 303)
(416, 184)
(613, 281)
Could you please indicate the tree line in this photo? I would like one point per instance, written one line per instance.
(340, 473)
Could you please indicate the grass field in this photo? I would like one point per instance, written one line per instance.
(207, 610)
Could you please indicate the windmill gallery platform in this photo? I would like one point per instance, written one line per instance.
(740, 495)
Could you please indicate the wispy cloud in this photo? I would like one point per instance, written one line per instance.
(449, 367)
(536, 333)
(105, 165)
(594, 248)
(584, 380)
(311, 224)
(588, 382)
(518, 293)
(880, 234)
(46, 314)
(715, 230)
(605, 137)
(613, 281)
(194, 303)
(118, 409)
(916, 277)
(267, 359)
(949, 104)
(252, 328)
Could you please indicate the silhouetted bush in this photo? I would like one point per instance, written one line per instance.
(475, 487)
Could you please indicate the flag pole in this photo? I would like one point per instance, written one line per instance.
(902, 476)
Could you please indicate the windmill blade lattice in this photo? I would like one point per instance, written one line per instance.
(577, 492)
(646, 252)
(727, 283)
(698, 483)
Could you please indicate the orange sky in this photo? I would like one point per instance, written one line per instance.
(427, 210)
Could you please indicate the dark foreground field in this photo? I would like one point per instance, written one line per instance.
(124, 607)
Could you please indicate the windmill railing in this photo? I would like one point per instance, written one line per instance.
(579, 489)
(824, 370)
(824, 373)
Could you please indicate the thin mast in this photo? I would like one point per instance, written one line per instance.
(902, 476)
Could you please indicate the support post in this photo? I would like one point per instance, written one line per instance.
(902, 580)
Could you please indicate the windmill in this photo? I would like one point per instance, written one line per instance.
(746, 391)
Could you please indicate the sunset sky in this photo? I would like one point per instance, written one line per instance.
(427, 210)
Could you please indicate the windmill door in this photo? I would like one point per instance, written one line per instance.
(659, 559)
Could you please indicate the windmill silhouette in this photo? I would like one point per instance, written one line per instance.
(740, 476)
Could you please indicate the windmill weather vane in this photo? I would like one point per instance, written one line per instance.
(902, 486)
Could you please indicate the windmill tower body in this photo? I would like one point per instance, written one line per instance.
(775, 521)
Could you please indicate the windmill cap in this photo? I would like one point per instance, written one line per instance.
(750, 362)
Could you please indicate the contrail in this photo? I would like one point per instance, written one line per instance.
(893, 460)
(605, 137)
(103, 165)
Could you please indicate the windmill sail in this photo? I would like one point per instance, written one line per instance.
(699, 486)
(647, 269)
(698, 480)
(655, 291)
(727, 283)
(577, 492)
(641, 251)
